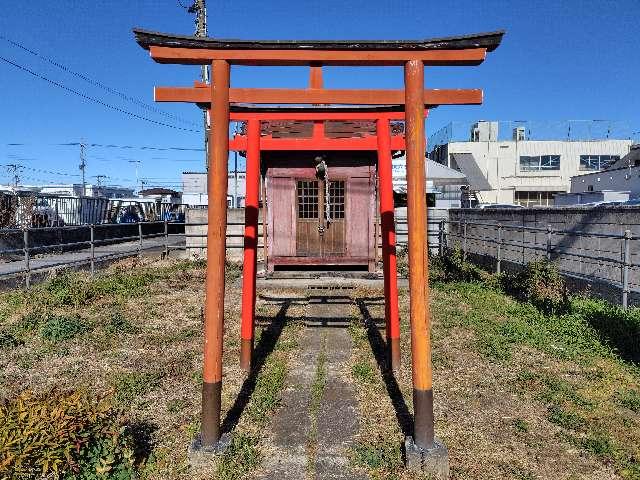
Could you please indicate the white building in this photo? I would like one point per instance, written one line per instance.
(621, 176)
(75, 190)
(194, 189)
(519, 170)
(438, 177)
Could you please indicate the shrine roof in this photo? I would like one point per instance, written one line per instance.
(488, 40)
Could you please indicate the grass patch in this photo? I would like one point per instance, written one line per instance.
(363, 372)
(131, 385)
(596, 341)
(501, 323)
(76, 289)
(266, 396)
(379, 457)
(521, 425)
(7, 340)
(317, 392)
(232, 271)
(119, 324)
(629, 398)
(242, 456)
(603, 446)
(564, 418)
(61, 327)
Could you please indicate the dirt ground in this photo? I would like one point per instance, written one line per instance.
(526, 415)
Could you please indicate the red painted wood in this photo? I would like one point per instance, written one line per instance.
(318, 96)
(339, 260)
(239, 143)
(202, 56)
(359, 211)
(250, 231)
(309, 114)
(307, 172)
(385, 190)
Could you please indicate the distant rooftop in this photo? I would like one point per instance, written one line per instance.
(509, 130)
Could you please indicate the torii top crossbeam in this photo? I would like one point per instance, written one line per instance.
(380, 106)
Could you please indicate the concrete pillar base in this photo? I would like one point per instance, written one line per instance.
(199, 455)
(433, 461)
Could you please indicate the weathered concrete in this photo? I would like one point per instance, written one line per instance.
(200, 456)
(314, 442)
(570, 250)
(196, 246)
(433, 462)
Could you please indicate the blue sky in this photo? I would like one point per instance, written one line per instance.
(559, 60)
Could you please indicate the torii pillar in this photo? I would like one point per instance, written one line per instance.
(216, 255)
(423, 447)
(389, 260)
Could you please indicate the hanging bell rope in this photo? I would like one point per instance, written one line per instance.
(322, 172)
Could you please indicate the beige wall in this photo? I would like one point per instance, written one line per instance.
(499, 162)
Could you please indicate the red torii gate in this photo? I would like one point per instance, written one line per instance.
(410, 104)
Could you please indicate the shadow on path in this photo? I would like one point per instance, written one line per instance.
(265, 346)
(379, 349)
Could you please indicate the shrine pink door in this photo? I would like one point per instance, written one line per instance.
(300, 232)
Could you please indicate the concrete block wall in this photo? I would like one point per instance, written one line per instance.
(575, 251)
(196, 246)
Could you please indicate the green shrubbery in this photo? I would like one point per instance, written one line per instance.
(63, 435)
(452, 267)
(541, 284)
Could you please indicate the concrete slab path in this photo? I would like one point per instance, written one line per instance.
(315, 426)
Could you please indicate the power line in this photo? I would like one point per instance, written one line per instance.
(38, 170)
(125, 147)
(95, 100)
(96, 83)
(15, 168)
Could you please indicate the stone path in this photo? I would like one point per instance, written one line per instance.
(315, 426)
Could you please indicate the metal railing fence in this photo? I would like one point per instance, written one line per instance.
(614, 262)
(608, 254)
(130, 237)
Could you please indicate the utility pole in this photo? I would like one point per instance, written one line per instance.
(99, 181)
(14, 170)
(83, 166)
(136, 163)
(142, 184)
(199, 8)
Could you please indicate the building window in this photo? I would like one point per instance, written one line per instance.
(336, 199)
(539, 163)
(597, 162)
(308, 194)
(533, 199)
